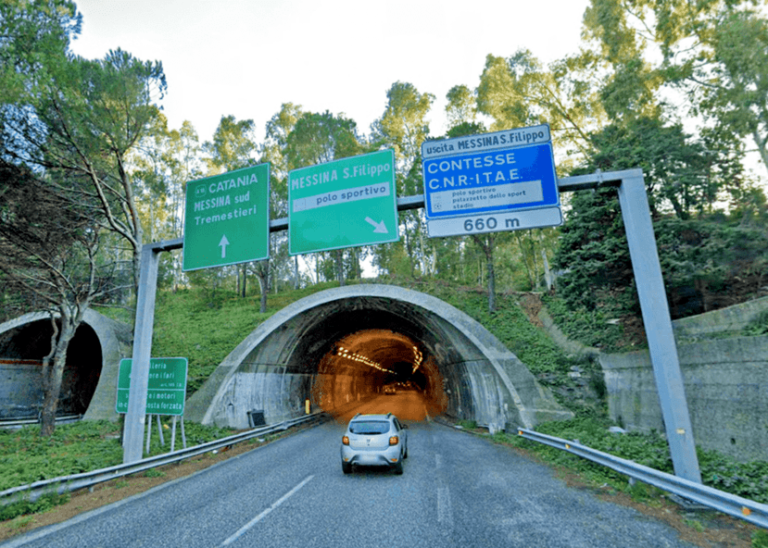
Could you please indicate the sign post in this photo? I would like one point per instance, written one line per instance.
(346, 203)
(490, 183)
(227, 219)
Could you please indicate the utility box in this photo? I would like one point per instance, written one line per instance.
(256, 418)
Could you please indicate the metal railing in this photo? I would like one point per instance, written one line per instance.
(733, 505)
(74, 482)
(19, 423)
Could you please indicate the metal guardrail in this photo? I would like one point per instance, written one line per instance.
(74, 482)
(733, 505)
(18, 423)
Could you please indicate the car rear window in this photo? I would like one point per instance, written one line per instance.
(369, 427)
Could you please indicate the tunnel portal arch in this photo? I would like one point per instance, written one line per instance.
(296, 355)
(90, 374)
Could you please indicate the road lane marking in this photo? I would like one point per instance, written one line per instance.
(444, 511)
(266, 512)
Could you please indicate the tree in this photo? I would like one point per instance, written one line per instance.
(74, 116)
(461, 107)
(735, 92)
(162, 163)
(679, 172)
(519, 92)
(404, 127)
(683, 179)
(273, 150)
(49, 249)
(714, 50)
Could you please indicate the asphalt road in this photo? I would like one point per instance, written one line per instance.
(457, 490)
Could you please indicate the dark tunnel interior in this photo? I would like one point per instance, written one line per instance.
(21, 356)
(373, 361)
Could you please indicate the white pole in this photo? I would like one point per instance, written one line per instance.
(149, 431)
(183, 435)
(160, 431)
(173, 433)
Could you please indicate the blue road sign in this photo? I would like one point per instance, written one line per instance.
(506, 174)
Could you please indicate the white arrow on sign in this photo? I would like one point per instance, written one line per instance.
(379, 228)
(223, 245)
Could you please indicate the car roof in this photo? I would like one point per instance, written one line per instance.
(361, 417)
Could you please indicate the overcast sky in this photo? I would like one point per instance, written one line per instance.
(246, 58)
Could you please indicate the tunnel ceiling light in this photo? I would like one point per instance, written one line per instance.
(417, 359)
(344, 353)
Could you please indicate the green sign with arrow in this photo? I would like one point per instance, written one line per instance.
(227, 218)
(347, 203)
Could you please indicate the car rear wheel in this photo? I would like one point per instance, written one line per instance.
(398, 467)
(346, 467)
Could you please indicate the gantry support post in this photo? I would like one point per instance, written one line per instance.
(655, 310)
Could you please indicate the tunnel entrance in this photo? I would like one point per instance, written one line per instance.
(379, 370)
(342, 346)
(21, 359)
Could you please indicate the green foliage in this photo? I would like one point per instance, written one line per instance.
(680, 173)
(319, 138)
(190, 324)
(589, 327)
(760, 539)
(757, 327)
(233, 145)
(71, 449)
(42, 504)
(706, 257)
(508, 323)
(79, 447)
(709, 264)
(594, 256)
(748, 480)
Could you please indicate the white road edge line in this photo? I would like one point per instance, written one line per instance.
(444, 511)
(264, 514)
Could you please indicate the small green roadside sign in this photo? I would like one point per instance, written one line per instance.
(166, 389)
(346, 203)
(227, 218)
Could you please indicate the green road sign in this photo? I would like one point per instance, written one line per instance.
(346, 203)
(227, 218)
(166, 390)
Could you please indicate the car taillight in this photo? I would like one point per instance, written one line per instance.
(394, 440)
(345, 440)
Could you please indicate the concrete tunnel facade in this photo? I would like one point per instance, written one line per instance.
(341, 346)
(89, 384)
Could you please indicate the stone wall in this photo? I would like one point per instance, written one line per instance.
(726, 385)
(718, 322)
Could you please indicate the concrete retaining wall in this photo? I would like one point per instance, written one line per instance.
(726, 320)
(726, 385)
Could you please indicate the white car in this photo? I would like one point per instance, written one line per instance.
(374, 440)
